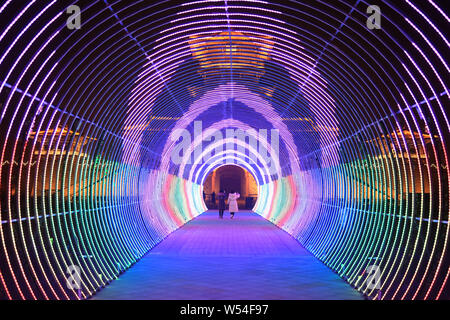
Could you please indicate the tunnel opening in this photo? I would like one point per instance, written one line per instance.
(231, 178)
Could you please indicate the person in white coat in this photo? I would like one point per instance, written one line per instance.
(232, 203)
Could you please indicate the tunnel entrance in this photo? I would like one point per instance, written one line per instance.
(228, 178)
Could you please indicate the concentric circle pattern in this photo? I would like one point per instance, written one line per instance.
(109, 130)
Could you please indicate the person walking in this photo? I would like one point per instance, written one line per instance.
(221, 204)
(232, 203)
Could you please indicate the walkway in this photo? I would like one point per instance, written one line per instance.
(244, 258)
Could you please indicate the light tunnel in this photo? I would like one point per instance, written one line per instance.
(113, 116)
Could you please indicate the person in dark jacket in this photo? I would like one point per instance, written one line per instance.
(221, 205)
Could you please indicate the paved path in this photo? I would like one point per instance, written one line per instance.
(244, 258)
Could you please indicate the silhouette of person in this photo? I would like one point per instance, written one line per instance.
(232, 203)
(221, 205)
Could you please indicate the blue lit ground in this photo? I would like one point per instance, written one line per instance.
(244, 258)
